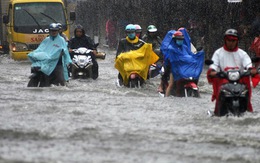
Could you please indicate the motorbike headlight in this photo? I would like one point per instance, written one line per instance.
(17, 46)
(233, 76)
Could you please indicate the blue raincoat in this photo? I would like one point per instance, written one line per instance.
(184, 63)
(48, 53)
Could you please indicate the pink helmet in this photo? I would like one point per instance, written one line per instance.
(178, 35)
(138, 28)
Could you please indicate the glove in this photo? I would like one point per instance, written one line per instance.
(221, 74)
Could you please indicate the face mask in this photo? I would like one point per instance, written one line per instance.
(179, 42)
(131, 35)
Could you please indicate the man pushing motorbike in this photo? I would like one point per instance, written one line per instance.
(133, 56)
(230, 57)
(80, 39)
(50, 60)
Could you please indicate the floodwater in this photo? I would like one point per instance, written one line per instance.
(96, 122)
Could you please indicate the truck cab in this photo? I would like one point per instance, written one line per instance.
(27, 24)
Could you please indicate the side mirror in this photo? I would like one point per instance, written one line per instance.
(5, 19)
(255, 59)
(208, 62)
(72, 16)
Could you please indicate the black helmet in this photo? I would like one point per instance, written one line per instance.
(231, 32)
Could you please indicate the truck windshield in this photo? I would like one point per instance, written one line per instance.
(36, 17)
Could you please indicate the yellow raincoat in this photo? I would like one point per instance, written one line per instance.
(135, 61)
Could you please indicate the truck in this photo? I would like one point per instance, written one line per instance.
(25, 24)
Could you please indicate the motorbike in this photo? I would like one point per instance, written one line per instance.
(187, 88)
(81, 63)
(234, 95)
(133, 66)
(191, 89)
(39, 79)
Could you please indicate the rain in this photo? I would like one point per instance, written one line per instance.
(94, 121)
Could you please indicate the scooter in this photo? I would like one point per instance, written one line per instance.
(191, 89)
(81, 63)
(234, 95)
(39, 79)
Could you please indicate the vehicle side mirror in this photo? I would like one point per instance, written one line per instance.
(5, 19)
(72, 16)
(208, 62)
(255, 59)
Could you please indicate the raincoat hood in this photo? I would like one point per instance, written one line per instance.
(83, 32)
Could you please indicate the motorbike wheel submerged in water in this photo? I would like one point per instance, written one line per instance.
(39, 79)
(135, 81)
(233, 99)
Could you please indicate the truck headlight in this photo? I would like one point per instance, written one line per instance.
(17, 47)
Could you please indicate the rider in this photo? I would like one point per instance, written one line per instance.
(138, 31)
(80, 39)
(178, 39)
(180, 63)
(226, 57)
(133, 43)
(61, 32)
(52, 57)
(152, 37)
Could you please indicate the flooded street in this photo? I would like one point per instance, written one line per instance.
(96, 122)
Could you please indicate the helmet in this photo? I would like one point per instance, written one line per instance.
(178, 35)
(53, 27)
(59, 25)
(138, 28)
(130, 28)
(78, 26)
(151, 28)
(231, 32)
